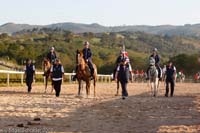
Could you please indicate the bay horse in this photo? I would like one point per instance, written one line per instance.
(83, 73)
(153, 80)
(46, 65)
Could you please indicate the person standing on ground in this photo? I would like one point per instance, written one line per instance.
(170, 78)
(123, 72)
(57, 73)
(29, 74)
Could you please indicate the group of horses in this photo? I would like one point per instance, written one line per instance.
(83, 73)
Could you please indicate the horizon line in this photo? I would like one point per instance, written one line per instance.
(102, 24)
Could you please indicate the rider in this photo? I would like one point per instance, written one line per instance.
(157, 61)
(87, 55)
(51, 56)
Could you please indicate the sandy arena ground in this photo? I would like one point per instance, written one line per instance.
(106, 113)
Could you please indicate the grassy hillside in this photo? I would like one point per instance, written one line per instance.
(35, 44)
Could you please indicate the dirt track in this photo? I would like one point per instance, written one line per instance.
(104, 114)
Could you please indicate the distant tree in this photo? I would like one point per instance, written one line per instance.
(4, 35)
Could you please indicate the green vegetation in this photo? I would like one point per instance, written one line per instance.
(35, 44)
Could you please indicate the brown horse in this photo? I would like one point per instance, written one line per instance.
(46, 68)
(83, 73)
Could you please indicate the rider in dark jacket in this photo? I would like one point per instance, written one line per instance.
(51, 56)
(157, 61)
(87, 55)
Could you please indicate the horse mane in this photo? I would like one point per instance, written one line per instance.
(80, 52)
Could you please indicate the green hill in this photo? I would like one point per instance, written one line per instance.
(170, 30)
(35, 44)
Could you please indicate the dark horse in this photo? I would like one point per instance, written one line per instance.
(83, 73)
(46, 68)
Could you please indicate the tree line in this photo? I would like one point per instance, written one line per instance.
(35, 44)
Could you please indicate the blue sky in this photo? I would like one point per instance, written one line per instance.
(104, 12)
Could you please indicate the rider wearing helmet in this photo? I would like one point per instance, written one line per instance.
(51, 56)
(87, 55)
(157, 61)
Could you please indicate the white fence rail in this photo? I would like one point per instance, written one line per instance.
(100, 77)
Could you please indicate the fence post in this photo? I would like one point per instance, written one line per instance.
(8, 79)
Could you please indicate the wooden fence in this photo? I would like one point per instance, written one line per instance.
(68, 77)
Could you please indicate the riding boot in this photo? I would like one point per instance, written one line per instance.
(159, 74)
(92, 74)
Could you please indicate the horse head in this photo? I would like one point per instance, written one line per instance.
(80, 60)
(46, 64)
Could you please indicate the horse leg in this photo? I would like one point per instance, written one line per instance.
(156, 84)
(52, 85)
(88, 88)
(79, 87)
(46, 82)
(151, 86)
(94, 87)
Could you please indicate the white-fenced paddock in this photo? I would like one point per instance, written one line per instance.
(8, 77)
